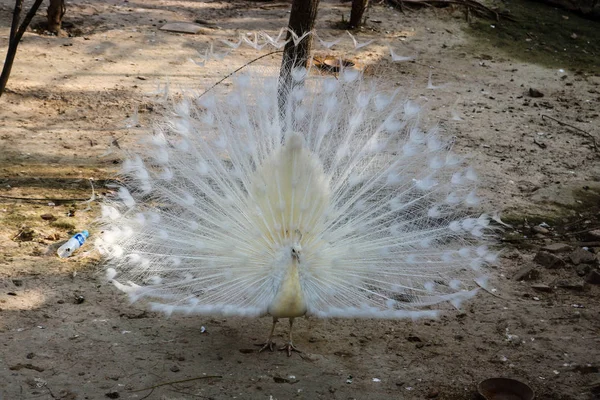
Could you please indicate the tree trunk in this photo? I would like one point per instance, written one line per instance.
(16, 33)
(56, 11)
(302, 21)
(358, 10)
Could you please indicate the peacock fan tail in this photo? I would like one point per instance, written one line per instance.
(338, 204)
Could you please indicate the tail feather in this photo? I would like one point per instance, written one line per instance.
(384, 211)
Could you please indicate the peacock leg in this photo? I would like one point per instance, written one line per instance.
(290, 346)
(269, 344)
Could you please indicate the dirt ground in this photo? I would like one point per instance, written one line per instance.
(66, 334)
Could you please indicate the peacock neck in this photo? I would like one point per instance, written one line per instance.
(289, 301)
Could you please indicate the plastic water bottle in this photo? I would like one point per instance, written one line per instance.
(72, 244)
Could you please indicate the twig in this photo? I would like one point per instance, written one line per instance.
(580, 232)
(21, 231)
(36, 199)
(237, 70)
(148, 395)
(188, 394)
(577, 129)
(173, 382)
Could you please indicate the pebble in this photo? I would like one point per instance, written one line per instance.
(526, 273)
(595, 234)
(246, 351)
(593, 277)
(541, 288)
(182, 27)
(548, 260)
(174, 368)
(535, 93)
(583, 269)
(577, 285)
(581, 256)
(557, 248)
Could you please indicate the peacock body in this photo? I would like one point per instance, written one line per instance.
(340, 205)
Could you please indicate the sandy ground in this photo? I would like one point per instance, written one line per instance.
(65, 334)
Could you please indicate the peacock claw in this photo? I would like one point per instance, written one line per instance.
(289, 347)
(269, 345)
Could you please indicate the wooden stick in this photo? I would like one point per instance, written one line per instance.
(173, 382)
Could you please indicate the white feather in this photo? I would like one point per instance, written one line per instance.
(376, 208)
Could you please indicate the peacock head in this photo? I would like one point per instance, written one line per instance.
(296, 250)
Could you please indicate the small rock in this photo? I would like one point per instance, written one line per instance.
(526, 273)
(174, 368)
(312, 357)
(48, 217)
(541, 288)
(20, 366)
(26, 234)
(557, 248)
(593, 277)
(17, 282)
(53, 237)
(548, 260)
(535, 93)
(433, 394)
(113, 395)
(79, 299)
(577, 285)
(182, 27)
(246, 351)
(203, 22)
(595, 234)
(581, 256)
(540, 229)
(586, 369)
(582, 269)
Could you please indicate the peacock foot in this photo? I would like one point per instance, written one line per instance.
(289, 347)
(268, 345)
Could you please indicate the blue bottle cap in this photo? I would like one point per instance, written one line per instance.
(86, 234)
